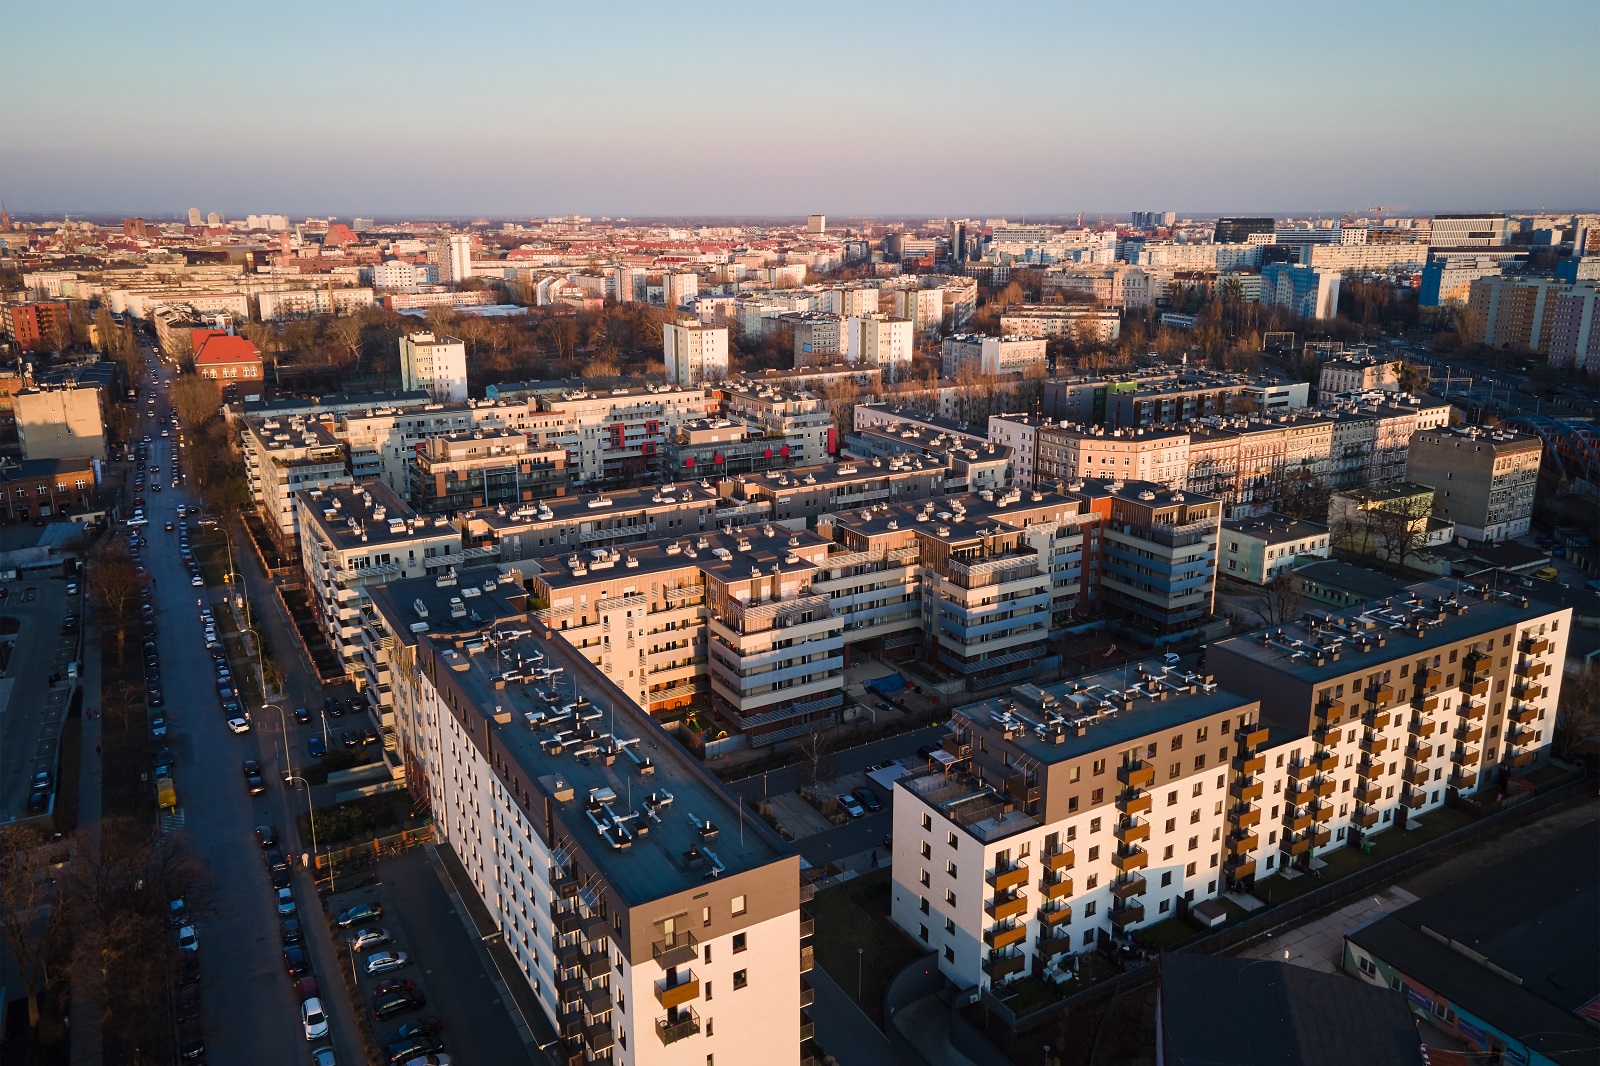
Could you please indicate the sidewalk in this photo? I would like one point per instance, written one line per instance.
(85, 1039)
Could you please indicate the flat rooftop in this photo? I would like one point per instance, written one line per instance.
(1274, 528)
(369, 514)
(599, 505)
(731, 556)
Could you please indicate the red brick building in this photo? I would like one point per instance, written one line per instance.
(225, 358)
(37, 326)
(46, 488)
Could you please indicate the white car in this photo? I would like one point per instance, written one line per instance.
(197, 581)
(850, 805)
(240, 723)
(187, 939)
(385, 961)
(313, 1018)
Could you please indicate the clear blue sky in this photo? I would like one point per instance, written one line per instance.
(513, 107)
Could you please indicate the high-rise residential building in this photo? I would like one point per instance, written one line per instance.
(1470, 231)
(816, 225)
(452, 255)
(1526, 314)
(194, 216)
(680, 290)
(1231, 230)
(61, 421)
(818, 337)
(976, 353)
(283, 456)
(437, 365)
(454, 472)
(1019, 433)
(1301, 290)
(923, 308)
(694, 353)
(1573, 337)
(1483, 480)
(883, 342)
(631, 886)
(213, 220)
(1074, 321)
(851, 301)
(625, 284)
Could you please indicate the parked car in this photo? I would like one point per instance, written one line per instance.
(286, 905)
(388, 1004)
(435, 1058)
(361, 912)
(266, 836)
(177, 913)
(868, 798)
(848, 804)
(255, 784)
(292, 932)
(362, 939)
(316, 747)
(417, 1036)
(188, 939)
(387, 962)
(302, 715)
(324, 1056)
(294, 960)
(313, 1020)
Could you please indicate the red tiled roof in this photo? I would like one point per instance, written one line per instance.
(221, 348)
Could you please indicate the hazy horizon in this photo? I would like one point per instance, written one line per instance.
(404, 111)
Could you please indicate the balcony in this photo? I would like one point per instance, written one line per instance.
(1464, 755)
(1249, 764)
(674, 993)
(1239, 867)
(1429, 677)
(1128, 887)
(999, 967)
(1371, 768)
(1524, 759)
(1529, 669)
(1240, 843)
(1421, 727)
(1474, 710)
(1131, 858)
(1132, 830)
(1379, 695)
(1129, 914)
(1058, 860)
(1243, 792)
(808, 995)
(1000, 910)
(1374, 745)
(1413, 797)
(1132, 801)
(1520, 735)
(1321, 836)
(1051, 918)
(1366, 817)
(1301, 771)
(808, 1028)
(1425, 704)
(1245, 816)
(1464, 780)
(597, 1000)
(680, 949)
(1251, 737)
(599, 1037)
(1060, 888)
(672, 1029)
(1012, 876)
(1370, 793)
(1005, 936)
(1377, 719)
(1296, 823)
(1523, 715)
(1536, 645)
(1475, 686)
(1326, 734)
(1298, 845)
(1327, 762)
(808, 958)
(1469, 734)
(1137, 775)
(1417, 775)
(808, 924)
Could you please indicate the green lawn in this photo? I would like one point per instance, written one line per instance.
(1544, 775)
(1342, 862)
(856, 915)
(1166, 934)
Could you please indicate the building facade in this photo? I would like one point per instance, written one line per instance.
(1483, 482)
(437, 365)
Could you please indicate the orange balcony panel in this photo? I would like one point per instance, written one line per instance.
(1536, 645)
(1369, 793)
(1299, 845)
(1250, 764)
(1523, 715)
(1417, 775)
(1464, 756)
(1474, 710)
(1053, 890)
(1297, 822)
(1428, 677)
(1374, 745)
(1300, 771)
(1414, 797)
(1245, 817)
(1326, 734)
(1425, 704)
(1320, 837)
(1371, 768)
(1469, 734)
(1528, 668)
(676, 995)
(1244, 843)
(1128, 887)
(1058, 860)
(1519, 761)
(1324, 787)
(1243, 869)
(1327, 762)
(1055, 917)
(1004, 966)
(1476, 686)
(1243, 793)
(1001, 909)
(1131, 802)
(1137, 775)
(1380, 695)
(1377, 719)
(1252, 737)
(1366, 818)
(1132, 831)
(1422, 727)
(1004, 880)
(1125, 916)
(1005, 936)
(1464, 780)
(1133, 859)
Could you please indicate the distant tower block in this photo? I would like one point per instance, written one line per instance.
(816, 225)
(194, 216)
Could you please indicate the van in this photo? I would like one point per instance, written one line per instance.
(1546, 573)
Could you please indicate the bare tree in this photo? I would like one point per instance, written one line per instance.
(816, 754)
(1402, 528)
(1578, 716)
(114, 583)
(34, 917)
(1278, 599)
(195, 399)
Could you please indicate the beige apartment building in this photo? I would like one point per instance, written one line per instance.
(1483, 481)
(283, 456)
(60, 421)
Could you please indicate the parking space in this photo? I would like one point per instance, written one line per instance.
(41, 628)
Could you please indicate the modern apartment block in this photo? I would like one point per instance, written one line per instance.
(602, 520)
(793, 424)
(693, 353)
(613, 435)
(1054, 820)
(628, 884)
(283, 457)
(886, 343)
(353, 536)
(1394, 702)
(437, 365)
(800, 498)
(1158, 565)
(976, 353)
(1521, 313)
(1483, 481)
(484, 468)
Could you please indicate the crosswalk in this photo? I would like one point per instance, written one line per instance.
(172, 821)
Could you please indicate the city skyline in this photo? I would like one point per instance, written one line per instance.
(738, 114)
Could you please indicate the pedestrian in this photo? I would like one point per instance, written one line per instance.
(97, 749)
(874, 858)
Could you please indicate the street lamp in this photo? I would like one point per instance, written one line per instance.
(860, 954)
(283, 728)
(311, 817)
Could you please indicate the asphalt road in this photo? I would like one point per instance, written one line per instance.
(251, 1014)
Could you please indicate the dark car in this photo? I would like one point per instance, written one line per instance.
(302, 715)
(316, 747)
(869, 799)
(69, 623)
(254, 784)
(350, 738)
(388, 1004)
(292, 932)
(252, 767)
(38, 801)
(191, 1043)
(275, 860)
(417, 1027)
(188, 1003)
(280, 878)
(403, 1049)
(266, 836)
(369, 735)
(294, 960)
(333, 707)
(361, 912)
(189, 970)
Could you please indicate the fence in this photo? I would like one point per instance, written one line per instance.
(1315, 903)
(367, 852)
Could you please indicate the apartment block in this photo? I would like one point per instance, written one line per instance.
(601, 520)
(1301, 290)
(283, 457)
(353, 536)
(60, 421)
(1073, 321)
(886, 343)
(297, 303)
(1523, 313)
(37, 326)
(1157, 569)
(1573, 336)
(720, 447)
(795, 425)
(974, 353)
(1256, 550)
(693, 353)
(1357, 375)
(1019, 434)
(615, 435)
(47, 488)
(437, 365)
(818, 337)
(1059, 819)
(802, 497)
(1073, 451)
(484, 468)
(1483, 481)
(968, 468)
(627, 883)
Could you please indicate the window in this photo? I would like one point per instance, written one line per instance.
(708, 990)
(1172, 824)
(950, 839)
(927, 822)
(950, 925)
(924, 904)
(949, 954)
(924, 877)
(1188, 871)
(1364, 964)
(1166, 879)
(927, 851)
(738, 906)
(739, 943)
(922, 931)
(1089, 909)
(705, 915)
(1097, 797)
(950, 868)
(950, 896)
(1094, 853)
(741, 978)
(1094, 825)
(1172, 799)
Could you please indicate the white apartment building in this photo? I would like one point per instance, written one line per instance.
(397, 275)
(1348, 375)
(923, 308)
(681, 291)
(437, 365)
(883, 342)
(694, 353)
(993, 355)
(1072, 452)
(452, 256)
(274, 306)
(855, 301)
(1256, 550)
(283, 456)
(1019, 433)
(1103, 324)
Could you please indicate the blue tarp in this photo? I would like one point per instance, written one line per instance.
(887, 684)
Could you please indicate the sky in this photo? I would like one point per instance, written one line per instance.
(517, 108)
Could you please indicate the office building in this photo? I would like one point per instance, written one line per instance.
(61, 421)
(1483, 481)
(452, 472)
(1469, 231)
(437, 365)
(693, 353)
(1257, 550)
(627, 883)
(352, 536)
(1231, 230)
(973, 353)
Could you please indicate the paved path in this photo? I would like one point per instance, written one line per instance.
(1319, 945)
(87, 1044)
(842, 1030)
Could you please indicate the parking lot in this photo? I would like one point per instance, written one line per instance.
(35, 689)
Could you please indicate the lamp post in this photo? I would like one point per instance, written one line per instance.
(283, 730)
(860, 954)
(311, 817)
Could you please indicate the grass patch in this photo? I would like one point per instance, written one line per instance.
(856, 915)
(1166, 934)
(1342, 862)
(1280, 889)
(360, 819)
(1546, 775)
